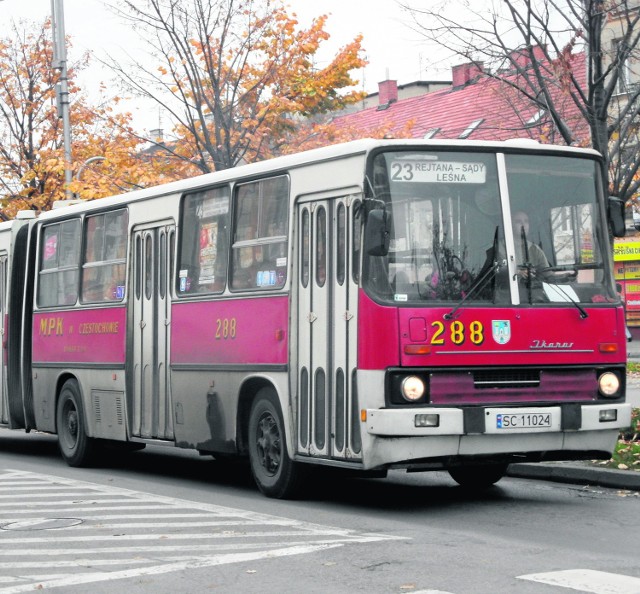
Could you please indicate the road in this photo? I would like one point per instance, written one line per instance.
(167, 521)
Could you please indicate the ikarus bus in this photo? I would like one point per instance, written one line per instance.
(373, 305)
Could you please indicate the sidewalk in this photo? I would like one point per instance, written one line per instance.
(584, 473)
(580, 473)
(633, 351)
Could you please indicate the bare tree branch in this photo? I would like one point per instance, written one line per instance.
(550, 33)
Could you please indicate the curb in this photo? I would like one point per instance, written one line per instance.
(563, 472)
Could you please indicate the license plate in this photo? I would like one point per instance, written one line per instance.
(528, 420)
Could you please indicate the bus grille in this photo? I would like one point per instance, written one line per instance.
(506, 378)
(512, 385)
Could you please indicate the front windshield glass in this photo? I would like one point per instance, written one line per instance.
(449, 233)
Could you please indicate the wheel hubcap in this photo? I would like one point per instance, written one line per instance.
(69, 429)
(268, 444)
(72, 424)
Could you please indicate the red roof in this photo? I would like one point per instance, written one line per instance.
(505, 112)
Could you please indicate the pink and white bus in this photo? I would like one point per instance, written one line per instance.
(369, 306)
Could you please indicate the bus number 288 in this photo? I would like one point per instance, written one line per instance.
(457, 332)
(225, 328)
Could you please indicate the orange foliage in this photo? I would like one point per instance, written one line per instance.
(32, 165)
(257, 90)
(259, 95)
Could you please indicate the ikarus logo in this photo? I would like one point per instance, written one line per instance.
(501, 331)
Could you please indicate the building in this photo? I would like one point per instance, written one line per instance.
(475, 105)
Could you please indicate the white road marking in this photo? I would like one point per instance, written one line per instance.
(588, 580)
(86, 578)
(36, 536)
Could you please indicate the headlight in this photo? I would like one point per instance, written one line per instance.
(609, 384)
(412, 388)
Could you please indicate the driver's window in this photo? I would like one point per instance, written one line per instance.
(573, 237)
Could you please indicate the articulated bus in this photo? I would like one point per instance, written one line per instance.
(367, 306)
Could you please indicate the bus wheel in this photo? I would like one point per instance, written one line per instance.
(76, 448)
(478, 477)
(273, 471)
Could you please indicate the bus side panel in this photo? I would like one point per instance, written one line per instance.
(377, 335)
(237, 332)
(90, 345)
(79, 336)
(216, 346)
(206, 406)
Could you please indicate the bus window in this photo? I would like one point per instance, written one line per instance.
(259, 250)
(162, 272)
(446, 231)
(59, 255)
(558, 199)
(356, 233)
(341, 244)
(204, 238)
(321, 247)
(104, 257)
(138, 271)
(148, 268)
(304, 238)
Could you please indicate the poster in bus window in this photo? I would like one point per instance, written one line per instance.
(214, 207)
(50, 247)
(208, 252)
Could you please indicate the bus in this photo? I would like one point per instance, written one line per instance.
(367, 306)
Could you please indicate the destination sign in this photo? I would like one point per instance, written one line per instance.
(438, 172)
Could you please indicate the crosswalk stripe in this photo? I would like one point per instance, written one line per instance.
(86, 578)
(65, 524)
(24, 505)
(158, 550)
(588, 580)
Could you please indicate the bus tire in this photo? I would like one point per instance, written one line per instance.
(478, 477)
(275, 474)
(76, 447)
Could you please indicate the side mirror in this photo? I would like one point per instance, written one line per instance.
(615, 208)
(377, 232)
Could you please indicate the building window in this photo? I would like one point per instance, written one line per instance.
(621, 57)
(470, 128)
(431, 133)
(534, 120)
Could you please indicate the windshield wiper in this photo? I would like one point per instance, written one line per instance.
(487, 273)
(567, 296)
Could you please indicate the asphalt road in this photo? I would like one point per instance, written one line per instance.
(163, 521)
(633, 392)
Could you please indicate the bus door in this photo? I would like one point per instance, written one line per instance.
(4, 402)
(327, 297)
(150, 404)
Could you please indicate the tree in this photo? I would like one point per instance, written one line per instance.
(236, 76)
(31, 155)
(539, 40)
(28, 148)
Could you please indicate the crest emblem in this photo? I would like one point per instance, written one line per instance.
(501, 331)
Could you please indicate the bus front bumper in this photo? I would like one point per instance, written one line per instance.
(399, 436)
(500, 420)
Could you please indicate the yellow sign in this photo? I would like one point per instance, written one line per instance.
(628, 250)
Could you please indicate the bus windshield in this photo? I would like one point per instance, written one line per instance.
(460, 232)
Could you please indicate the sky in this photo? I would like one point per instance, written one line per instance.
(393, 50)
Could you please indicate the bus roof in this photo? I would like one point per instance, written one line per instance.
(327, 153)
